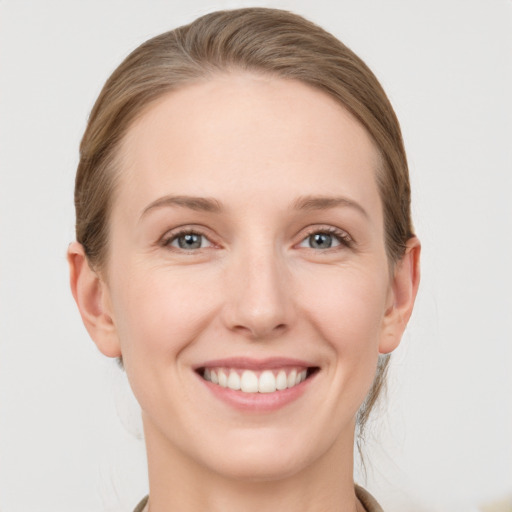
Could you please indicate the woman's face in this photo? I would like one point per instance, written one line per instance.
(247, 249)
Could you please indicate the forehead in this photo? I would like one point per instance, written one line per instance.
(249, 133)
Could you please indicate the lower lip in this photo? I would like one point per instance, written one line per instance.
(258, 402)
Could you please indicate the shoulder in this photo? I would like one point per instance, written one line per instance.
(368, 501)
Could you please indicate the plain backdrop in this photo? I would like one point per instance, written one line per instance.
(442, 440)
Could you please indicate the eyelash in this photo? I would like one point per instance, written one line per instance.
(168, 238)
(341, 236)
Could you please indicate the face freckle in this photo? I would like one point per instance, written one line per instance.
(247, 237)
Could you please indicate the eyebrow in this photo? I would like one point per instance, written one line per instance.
(206, 204)
(202, 204)
(326, 203)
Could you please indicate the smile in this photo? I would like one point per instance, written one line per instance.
(249, 381)
(257, 386)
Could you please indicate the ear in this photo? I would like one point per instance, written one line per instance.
(404, 288)
(91, 296)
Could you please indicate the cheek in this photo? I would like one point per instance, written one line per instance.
(348, 313)
(159, 313)
(162, 311)
(348, 306)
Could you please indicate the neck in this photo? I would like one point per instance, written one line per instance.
(177, 482)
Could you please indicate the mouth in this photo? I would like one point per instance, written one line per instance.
(251, 381)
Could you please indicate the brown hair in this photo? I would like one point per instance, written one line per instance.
(269, 41)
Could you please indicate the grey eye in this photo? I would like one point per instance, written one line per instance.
(188, 241)
(322, 241)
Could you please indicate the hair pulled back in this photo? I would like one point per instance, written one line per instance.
(268, 41)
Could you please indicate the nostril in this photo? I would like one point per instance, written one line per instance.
(260, 330)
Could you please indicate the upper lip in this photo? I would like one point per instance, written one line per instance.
(247, 363)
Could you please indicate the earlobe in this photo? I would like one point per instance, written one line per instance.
(404, 288)
(90, 294)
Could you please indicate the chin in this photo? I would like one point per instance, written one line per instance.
(269, 468)
(266, 458)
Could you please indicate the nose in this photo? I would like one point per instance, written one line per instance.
(258, 296)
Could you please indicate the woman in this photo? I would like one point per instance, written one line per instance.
(245, 247)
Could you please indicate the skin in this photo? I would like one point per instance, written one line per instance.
(256, 146)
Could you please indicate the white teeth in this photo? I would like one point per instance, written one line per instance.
(223, 379)
(291, 381)
(233, 380)
(250, 382)
(267, 382)
(281, 381)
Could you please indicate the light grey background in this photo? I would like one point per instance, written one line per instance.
(443, 439)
